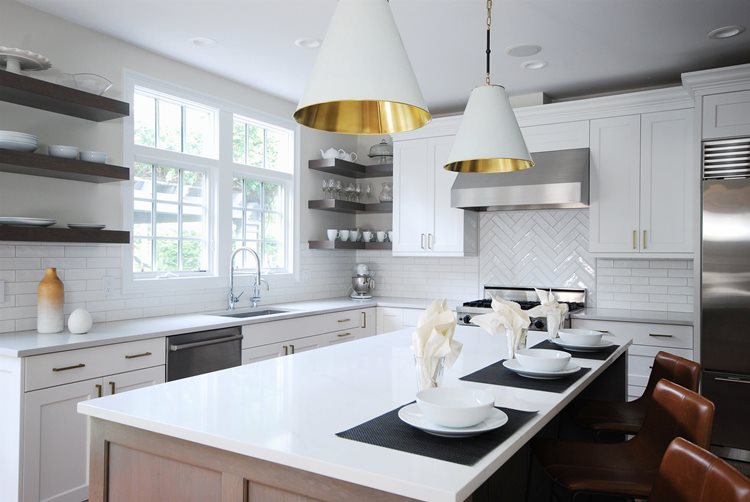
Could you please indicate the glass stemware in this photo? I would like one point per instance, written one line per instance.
(339, 187)
(368, 190)
(325, 189)
(332, 188)
(357, 191)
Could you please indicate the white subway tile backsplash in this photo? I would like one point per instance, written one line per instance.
(659, 285)
(20, 264)
(39, 251)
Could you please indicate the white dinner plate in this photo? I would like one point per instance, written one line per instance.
(18, 145)
(603, 344)
(412, 415)
(26, 222)
(18, 135)
(515, 366)
(86, 226)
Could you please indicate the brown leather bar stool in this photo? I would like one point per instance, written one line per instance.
(628, 417)
(689, 473)
(629, 469)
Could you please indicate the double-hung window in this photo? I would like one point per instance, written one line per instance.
(262, 185)
(175, 162)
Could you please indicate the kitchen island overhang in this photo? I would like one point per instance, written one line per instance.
(269, 428)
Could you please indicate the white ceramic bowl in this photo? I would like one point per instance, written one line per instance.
(582, 337)
(63, 151)
(91, 156)
(455, 407)
(543, 359)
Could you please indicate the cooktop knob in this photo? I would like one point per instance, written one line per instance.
(539, 324)
(466, 319)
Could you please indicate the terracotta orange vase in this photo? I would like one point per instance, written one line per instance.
(51, 297)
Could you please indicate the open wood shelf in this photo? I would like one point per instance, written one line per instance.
(345, 206)
(48, 234)
(348, 245)
(37, 164)
(35, 93)
(341, 167)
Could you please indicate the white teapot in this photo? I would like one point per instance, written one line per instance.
(332, 153)
(351, 157)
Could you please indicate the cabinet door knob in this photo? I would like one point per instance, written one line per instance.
(112, 387)
(286, 350)
(291, 347)
(98, 390)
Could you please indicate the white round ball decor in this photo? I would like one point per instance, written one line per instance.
(80, 321)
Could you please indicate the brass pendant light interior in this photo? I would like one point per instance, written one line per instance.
(489, 165)
(363, 117)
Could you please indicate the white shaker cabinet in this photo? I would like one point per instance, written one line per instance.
(615, 184)
(641, 183)
(667, 177)
(424, 222)
(56, 436)
(726, 115)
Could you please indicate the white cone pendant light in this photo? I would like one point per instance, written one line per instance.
(362, 81)
(489, 139)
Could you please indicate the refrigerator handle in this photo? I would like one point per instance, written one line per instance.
(732, 380)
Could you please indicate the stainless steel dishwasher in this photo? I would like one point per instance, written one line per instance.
(203, 351)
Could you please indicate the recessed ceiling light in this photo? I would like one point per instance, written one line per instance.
(726, 32)
(533, 65)
(307, 43)
(203, 41)
(522, 51)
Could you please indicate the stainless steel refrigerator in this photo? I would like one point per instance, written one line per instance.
(725, 292)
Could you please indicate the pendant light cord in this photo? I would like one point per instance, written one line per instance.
(489, 25)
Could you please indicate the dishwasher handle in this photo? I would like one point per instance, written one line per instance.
(214, 341)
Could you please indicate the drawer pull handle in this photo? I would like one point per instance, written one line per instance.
(344, 320)
(732, 380)
(98, 390)
(65, 368)
(341, 335)
(112, 387)
(659, 335)
(291, 348)
(128, 356)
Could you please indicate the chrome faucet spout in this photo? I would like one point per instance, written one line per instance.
(233, 299)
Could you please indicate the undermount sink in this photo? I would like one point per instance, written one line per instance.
(254, 313)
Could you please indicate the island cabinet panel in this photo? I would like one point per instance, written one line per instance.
(130, 464)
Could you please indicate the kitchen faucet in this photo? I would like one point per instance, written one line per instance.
(255, 300)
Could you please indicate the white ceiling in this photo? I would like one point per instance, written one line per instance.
(592, 46)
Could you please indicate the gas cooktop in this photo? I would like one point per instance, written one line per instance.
(526, 298)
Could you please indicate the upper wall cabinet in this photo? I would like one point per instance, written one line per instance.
(561, 136)
(641, 184)
(424, 223)
(726, 115)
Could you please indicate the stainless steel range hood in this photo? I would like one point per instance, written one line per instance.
(558, 180)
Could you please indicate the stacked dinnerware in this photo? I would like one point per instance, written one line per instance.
(19, 141)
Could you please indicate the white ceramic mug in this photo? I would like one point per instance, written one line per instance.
(390, 235)
(332, 233)
(367, 236)
(344, 235)
(380, 235)
(354, 235)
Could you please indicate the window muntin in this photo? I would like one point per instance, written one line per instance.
(170, 221)
(260, 221)
(168, 123)
(262, 145)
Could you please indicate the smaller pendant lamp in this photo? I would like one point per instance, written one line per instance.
(489, 139)
(362, 81)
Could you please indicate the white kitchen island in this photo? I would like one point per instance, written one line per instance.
(270, 427)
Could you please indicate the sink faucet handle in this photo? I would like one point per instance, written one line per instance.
(236, 298)
(263, 281)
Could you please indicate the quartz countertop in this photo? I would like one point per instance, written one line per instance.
(646, 316)
(306, 398)
(30, 343)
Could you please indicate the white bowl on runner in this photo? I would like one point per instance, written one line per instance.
(581, 337)
(543, 359)
(455, 406)
(412, 415)
(515, 366)
(583, 348)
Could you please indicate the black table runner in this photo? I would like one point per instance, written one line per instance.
(497, 374)
(601, 355)
(389, 431)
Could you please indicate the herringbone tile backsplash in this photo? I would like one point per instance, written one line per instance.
(537, 248)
